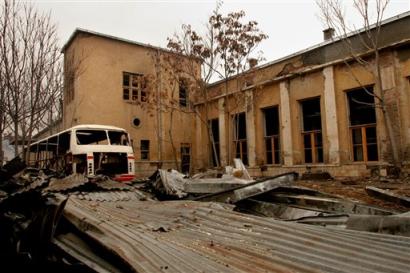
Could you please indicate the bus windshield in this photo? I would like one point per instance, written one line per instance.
(100, 137)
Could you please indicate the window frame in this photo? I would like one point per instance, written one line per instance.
(362, 127)
(145, 151)
(241, 143)
(314, 150)
(133, 93)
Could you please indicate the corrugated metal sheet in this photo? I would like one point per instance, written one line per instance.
(189, 236)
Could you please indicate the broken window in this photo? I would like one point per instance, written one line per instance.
(133, 87)
(239, 133)
(312, 131)
(118, 138)
(183, 93)
(362, 117)
(214, 124)
(144, 149)
(185, 157)
(91, 137)
(272, 144)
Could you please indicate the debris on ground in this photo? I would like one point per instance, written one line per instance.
(388, 196)
(96, 224)
(249, 190)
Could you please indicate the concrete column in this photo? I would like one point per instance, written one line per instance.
(285, 120)
(332, 132)
(222, 132)
(250, 128)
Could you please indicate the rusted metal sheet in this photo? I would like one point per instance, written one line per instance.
(388, 196)
(67, 183)
(189, 236)
(250, 190)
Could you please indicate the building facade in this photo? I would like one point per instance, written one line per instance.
(318, 109)
(311, 111)
(105, 83)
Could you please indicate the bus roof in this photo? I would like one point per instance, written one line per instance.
(95, 126)
(84, 127)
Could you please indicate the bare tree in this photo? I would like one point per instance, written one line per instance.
(31, 69)
(365, 52)
(226, 49)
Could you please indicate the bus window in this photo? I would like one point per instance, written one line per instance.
(64, 143)
(91, 137)
(118, 138)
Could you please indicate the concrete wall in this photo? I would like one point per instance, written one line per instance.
(98, 99)
(319, 72)
(330, 84)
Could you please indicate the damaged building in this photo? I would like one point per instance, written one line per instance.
(309, 111)
(314, 110)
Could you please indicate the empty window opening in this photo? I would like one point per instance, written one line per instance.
(185, 157)
(312, 131)
(362, 117)
(214, 148)
(183, 93)
(110, 163)
(272, 140)
(118, 138)
(133, 87)
(91, 137)
(239, 133)
(144, 149)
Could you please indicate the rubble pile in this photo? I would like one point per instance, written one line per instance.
(95, 224)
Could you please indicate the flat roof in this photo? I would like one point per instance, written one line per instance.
(106, 36)
(322, 44)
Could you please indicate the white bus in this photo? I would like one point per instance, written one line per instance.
(86, 149)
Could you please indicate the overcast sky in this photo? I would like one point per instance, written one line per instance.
(292, 25)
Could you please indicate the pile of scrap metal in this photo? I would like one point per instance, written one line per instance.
(31, 206)
(278, 197)
(79, 224)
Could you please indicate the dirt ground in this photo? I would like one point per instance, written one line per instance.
(354, 189)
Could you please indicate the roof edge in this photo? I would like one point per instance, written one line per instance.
(111, 37)
(319, 45)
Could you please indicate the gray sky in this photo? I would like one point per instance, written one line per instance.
(292, 25)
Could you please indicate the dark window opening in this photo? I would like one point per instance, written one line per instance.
(272, 143)
(311, 115)
(361, 106)
(144, 149)
(185, 157)
(91, 137)
(126, 94)
(133, 87)
(239, 133)
(214, 124)
(110, 163)
(312, 131)
(363, 132)
(183, 94)
(118, 138)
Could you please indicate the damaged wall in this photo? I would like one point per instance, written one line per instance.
(290, 81)
(98, 89)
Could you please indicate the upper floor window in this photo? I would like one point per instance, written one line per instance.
(183, 93)
(133, 87)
